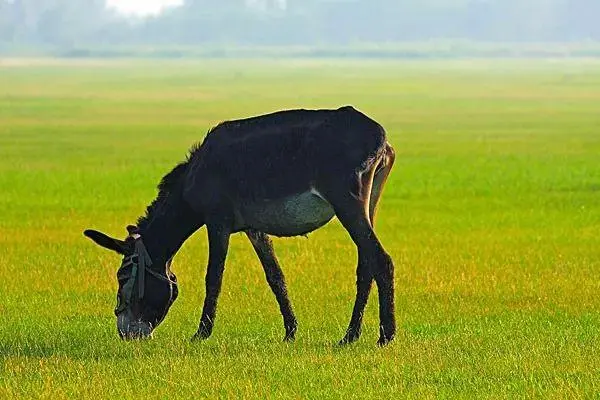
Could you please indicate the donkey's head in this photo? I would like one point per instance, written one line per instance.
(147, 289)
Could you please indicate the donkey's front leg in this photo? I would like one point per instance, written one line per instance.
(264, 249)
(218, 238)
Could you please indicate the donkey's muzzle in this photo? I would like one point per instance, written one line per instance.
(133, 330)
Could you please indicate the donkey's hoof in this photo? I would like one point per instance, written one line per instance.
(290, 333)
(290, 336)
(384, 340)
(201, 335)
(197, 337)
(349, 338)
(387, 333)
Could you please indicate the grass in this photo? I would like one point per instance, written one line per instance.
(492, 215)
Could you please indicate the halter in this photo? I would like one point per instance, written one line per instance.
(141, 262)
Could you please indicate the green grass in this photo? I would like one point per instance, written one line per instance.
(492, 215)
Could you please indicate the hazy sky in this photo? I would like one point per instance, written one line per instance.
(141, 7)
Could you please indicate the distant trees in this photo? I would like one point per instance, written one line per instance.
(52, 22)
(69, 23)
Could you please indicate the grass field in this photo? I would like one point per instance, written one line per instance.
(492, 215)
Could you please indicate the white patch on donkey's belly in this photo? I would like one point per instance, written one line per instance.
(294, 215)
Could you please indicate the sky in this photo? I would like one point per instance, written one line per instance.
(141, 7)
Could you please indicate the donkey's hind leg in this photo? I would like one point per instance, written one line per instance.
(373, 262)
(264, 250)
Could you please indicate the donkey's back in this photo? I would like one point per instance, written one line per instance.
(286, 153)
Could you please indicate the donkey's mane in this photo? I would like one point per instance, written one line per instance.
(168, 185)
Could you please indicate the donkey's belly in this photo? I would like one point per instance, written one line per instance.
(294, 215)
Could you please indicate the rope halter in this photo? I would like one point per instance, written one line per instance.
(140, 261)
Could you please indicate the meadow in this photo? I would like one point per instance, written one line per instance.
(491, 214)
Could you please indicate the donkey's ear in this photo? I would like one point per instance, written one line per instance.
(106, 241)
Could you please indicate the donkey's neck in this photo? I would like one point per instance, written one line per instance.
(166, 228)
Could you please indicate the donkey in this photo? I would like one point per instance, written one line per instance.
(284, 174)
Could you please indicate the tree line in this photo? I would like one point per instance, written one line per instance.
(72, 23)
